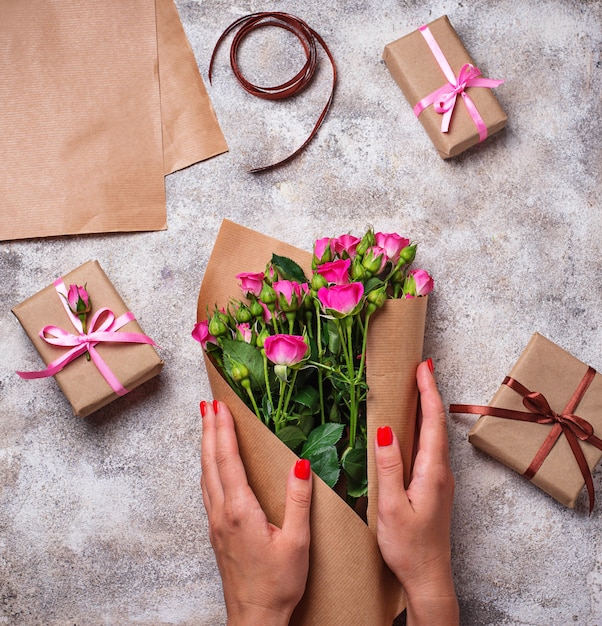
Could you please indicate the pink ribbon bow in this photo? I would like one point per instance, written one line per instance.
(444, 99)
(103, 328)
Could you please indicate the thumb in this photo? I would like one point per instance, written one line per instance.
(389, 470)
(298, 502)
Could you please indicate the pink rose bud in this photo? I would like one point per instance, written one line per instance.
(201, 333)
(244, 332)
(290, 296)
(374, 260)
(251, 282)
(322, 251)
(418, 283)
(78, 300)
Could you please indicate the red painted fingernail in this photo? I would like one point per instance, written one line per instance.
(384, 436)
(429, 362)
(303, 469)
(203, 406)
(215, 406)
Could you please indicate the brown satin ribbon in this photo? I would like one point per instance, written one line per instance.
(308, 38)
(575, 428)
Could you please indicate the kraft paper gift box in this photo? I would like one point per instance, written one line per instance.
(418, 73)
(546, 368)
(348, 582)
(81, 380)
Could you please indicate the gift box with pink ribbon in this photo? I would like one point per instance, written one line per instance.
(545, 421)
(445, 88)
(89, 341)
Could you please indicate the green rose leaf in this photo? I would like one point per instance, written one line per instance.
(354, 464)
(321, 438)
(247, 355)
(309, 397)
(288, 269)
(325, 463)
(292, 436)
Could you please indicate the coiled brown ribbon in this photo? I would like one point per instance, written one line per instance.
(308, 38)
(575, 428)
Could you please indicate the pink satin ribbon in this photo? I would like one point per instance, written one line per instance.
(102, 328)
(444, 98)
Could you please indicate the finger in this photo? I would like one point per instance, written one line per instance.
(298, 503)
(210, 480)
(232, 474)
(389, 471)
(432, 440)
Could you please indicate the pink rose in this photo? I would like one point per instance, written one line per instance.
(251, 282)
(341, 299)
(392, 243)
(336, 272)
(201, 333)
(285, 349)
(345, 244)
(418, 283)
(322, 251)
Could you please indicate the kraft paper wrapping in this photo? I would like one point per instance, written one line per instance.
(98, 101)
(418, 74)
(81, 382)
(547, 368)
(348, 583)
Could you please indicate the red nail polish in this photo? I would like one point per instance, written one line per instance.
(303, 469)
(215, 406)
(384, 436)
(429, 362)
(203, 407)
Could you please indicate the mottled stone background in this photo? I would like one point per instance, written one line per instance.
(101, 519)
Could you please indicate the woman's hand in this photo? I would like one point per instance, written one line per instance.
(414, 525)
(263, 568)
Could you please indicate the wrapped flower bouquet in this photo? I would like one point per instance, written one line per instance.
(312, 353)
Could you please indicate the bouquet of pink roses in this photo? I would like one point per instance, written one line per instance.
(312, 356)
(294, 349)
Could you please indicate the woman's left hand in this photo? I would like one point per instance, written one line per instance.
(263, 568)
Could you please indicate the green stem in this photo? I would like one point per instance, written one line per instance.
(360, 371)
(320, 355)
(291, 385)
(247, 385)
(277, 415)
(267, 380)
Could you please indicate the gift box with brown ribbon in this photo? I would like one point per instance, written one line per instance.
(545, 421)
(95, 356)
(444, 87)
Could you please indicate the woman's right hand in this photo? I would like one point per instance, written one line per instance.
(414, 524)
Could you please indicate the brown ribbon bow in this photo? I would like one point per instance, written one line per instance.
(575, 428)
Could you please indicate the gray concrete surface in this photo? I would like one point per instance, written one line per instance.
(101, 519)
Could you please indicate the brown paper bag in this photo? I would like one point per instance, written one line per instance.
(349, 582)
(84, 116)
